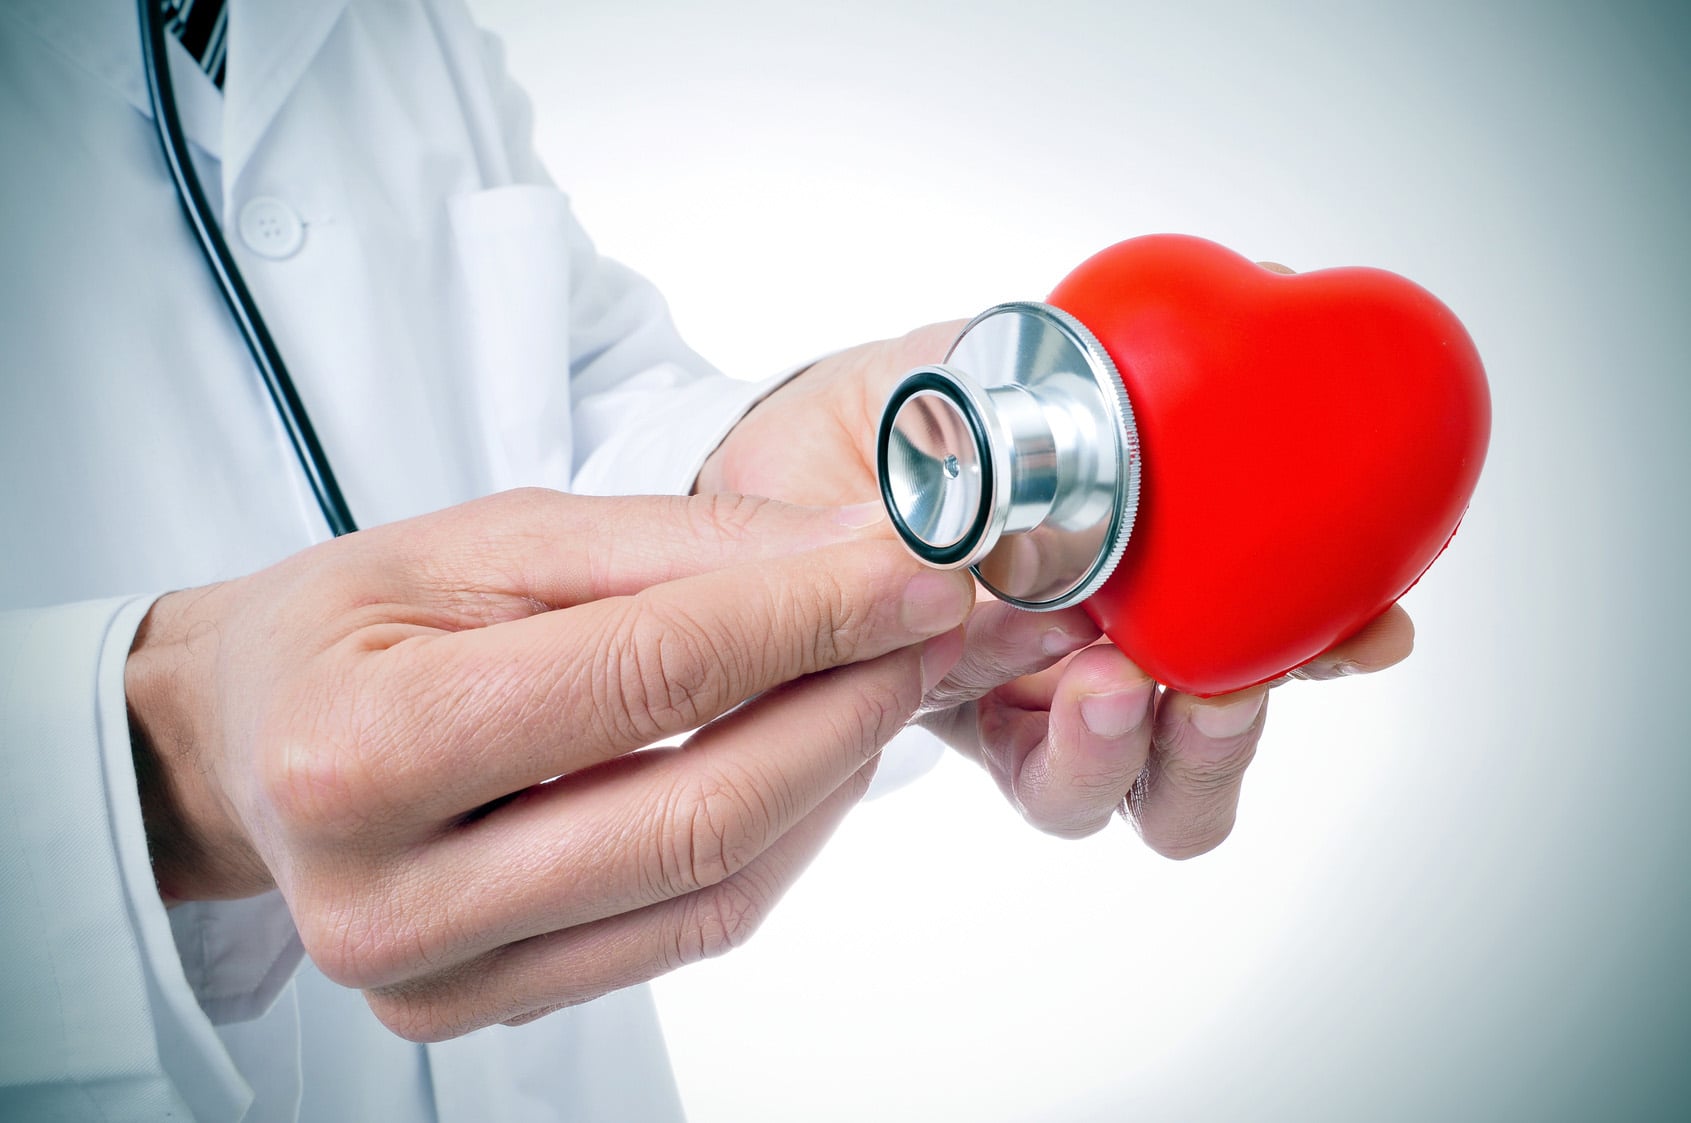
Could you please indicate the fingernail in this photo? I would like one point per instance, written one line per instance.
(1055, 641)
(939, 655)
(861, 515)
(1229, 719)
(1319, 670)
(935, 602)
(1117, 713)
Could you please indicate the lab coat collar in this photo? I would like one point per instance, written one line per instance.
(270, 46)
(103, 38)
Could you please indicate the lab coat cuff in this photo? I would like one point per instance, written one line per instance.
(191, 1052)
(234, 957)
(100, 1018)
(681, 428)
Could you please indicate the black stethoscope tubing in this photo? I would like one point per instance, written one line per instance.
(289, 409)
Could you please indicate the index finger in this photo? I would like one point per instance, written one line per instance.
(523, 551)
(511, 705)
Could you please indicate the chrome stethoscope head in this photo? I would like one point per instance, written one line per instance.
(1017, 457)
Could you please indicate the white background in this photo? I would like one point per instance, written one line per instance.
(1457, 890)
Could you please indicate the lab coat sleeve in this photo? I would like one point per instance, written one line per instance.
(96, 1017)
(646, 410)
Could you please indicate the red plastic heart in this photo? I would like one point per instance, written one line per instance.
(1310, 443)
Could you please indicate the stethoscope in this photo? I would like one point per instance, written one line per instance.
(1016, 456)
(289, 409)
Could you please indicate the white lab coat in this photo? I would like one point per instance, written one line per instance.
(453, 333)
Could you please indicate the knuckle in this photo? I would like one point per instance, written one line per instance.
(419, 1016)
(725, 517)
(858, 786)
(367, 940)
(1180, 817)
(1207, 797)
(663, 673)
(880, 706)
(1074, 803)
(1212, 778)
(1104, 784)
(721, 919)
(342, 941)
(519, 505)
(345, 943)
(449, 1002)
(837, 622)
(335, 769)
(1204, 768)
(316, 786)
(712, 832)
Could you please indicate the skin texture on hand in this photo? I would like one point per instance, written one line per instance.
(424, 735)
(1065, 723)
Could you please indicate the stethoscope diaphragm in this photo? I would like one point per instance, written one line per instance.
(1016, 456)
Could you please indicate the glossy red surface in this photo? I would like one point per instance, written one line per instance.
(1310, 443)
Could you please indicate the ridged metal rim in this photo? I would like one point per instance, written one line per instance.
(1129, 464)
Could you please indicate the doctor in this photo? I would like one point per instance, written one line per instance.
(341, 750)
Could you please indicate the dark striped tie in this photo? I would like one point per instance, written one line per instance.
(202, 27)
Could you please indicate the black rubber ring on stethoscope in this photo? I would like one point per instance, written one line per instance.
(911, 386)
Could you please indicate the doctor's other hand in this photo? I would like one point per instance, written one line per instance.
(1069, 728)
(424, 735)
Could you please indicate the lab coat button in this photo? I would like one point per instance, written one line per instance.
(270, 228)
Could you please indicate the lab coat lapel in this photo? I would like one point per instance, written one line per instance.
(103, 37)
(270, 47)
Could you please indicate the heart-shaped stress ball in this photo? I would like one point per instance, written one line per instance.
(1309, 443)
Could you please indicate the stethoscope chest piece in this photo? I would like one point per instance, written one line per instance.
(1017, 456)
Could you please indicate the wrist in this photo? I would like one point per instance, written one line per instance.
(724, 470)
(196, 852)
(712, 475)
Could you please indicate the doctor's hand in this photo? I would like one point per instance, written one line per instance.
(423, 735)
(1069, 728)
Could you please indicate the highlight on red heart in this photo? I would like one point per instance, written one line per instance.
(1310, 443)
